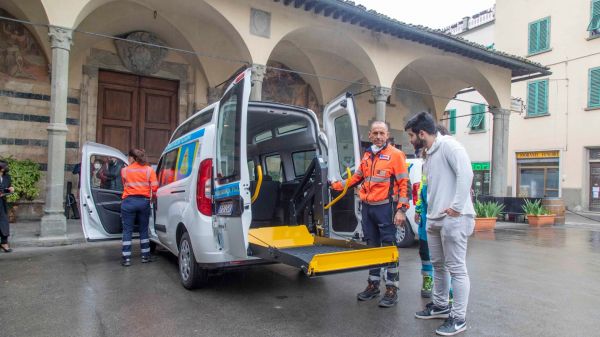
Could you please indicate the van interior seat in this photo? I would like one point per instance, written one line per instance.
(264, 206)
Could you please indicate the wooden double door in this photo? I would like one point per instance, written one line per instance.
(136, 112)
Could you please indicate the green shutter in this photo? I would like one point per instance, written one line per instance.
(533, 37)
(539, 35)
(453, 121)
(595, 16)
(537, 98)
(542, 97)
(477, 117)
(594, 88)
(531, 100)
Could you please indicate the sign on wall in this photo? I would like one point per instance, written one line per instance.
(538, 154)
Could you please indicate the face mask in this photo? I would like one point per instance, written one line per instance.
(375, 148)
(97, 166)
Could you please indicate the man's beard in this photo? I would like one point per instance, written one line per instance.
(419, 145)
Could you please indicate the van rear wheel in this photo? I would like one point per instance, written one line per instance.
(404, 236)
(191, 274)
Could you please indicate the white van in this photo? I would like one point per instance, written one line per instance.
(244, 183)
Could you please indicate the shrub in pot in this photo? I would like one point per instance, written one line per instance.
(25, 176)
(537, 214)
(486, 214)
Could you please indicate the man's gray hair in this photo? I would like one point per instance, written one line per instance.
(384, 124)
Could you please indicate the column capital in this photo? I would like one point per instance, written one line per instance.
(258, 72)
(61, 38)
(381, 94)
(499, 112)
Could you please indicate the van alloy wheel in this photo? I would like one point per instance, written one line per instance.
(185, 260)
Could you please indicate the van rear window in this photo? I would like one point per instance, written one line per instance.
(194, 123)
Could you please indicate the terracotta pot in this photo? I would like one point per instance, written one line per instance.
(540, 220)
(485, 224)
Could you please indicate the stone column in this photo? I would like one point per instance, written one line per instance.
(380, 96)
(500, 152)
(54, 222)
(213, 94)
(258, 75)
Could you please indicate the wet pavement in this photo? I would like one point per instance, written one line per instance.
(524, 282)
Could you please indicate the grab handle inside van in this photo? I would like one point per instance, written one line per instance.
(258, 183)
(334, 201)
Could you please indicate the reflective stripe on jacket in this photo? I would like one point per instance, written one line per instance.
(377, 171)
(139, 180)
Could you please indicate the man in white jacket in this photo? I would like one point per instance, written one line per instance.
(450, 221)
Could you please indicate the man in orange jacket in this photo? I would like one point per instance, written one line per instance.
(383, 178)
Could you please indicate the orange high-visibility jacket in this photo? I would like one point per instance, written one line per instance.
(139, 180)
(377, 172)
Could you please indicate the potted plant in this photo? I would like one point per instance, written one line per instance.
(25, 175)
(537, 215)
(486, 214)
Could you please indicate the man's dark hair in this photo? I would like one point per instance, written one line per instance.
(422, 121)
(442, 130)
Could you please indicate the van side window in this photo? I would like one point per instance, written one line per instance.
(274, 167)
(194, 123)
(166, 171)
(229, 135)
(106, 173)
(345, 143)
(301, 161)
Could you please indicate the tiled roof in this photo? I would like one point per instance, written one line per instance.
(349, 12)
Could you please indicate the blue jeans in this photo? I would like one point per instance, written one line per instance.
(379, 230)
(135, 211)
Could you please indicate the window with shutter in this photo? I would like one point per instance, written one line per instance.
(537, 98)
(594, 25)
(539, 36)
(594, 88)
(477, 122)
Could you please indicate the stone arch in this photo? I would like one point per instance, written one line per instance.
(219, 47)
(288, 87)
(341, 58)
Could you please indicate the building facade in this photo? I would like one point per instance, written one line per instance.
(554, 145)
(90, 70)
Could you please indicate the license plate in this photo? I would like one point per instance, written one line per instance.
(225, 208)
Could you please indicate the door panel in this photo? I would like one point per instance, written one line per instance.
(232, 183)
(135, 111)
(100, 191)
(117, 116)
(594, 186)
(341, 128)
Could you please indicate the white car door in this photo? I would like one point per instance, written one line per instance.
(341, 128)
(100, 192)
(233, 213)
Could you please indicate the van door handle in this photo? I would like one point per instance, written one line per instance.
(177, 191)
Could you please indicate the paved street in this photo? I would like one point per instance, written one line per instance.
(525, 282)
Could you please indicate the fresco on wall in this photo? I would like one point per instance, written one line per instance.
(288, 88)
(20, 54)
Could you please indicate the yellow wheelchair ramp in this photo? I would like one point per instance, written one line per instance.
(314, 255)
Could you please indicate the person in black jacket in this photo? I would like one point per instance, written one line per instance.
(5, 187)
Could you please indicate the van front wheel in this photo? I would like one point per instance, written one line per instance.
(404, 236)
(191, 275)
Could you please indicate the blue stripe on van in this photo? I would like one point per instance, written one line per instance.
(226, 191)
(185, 139)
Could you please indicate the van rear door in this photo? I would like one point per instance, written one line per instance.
(233, 213)
(341, 128)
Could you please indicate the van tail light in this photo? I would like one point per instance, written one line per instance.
(204, 187)
(415, 193)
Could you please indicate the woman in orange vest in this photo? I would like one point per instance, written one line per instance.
(139, 187)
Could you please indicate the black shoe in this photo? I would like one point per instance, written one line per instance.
(147, 259)
(433, 311)
(6, 249)
(390, 298)
(126, 262)
(370, 292)
(451, 327)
